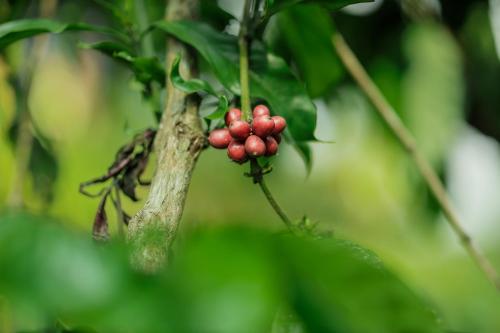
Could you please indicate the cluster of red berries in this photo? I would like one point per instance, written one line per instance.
(245, 140)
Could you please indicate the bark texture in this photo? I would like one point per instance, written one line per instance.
(178, 143)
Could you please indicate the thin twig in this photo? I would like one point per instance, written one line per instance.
(257, 174)
(277, 208)
(391, 118)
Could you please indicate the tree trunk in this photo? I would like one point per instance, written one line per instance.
(178, 143)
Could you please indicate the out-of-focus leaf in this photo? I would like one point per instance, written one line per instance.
(334, 284)
(221, 280)
(433, 88)
(482, 66)
(42, 164)
(7, 99)
(44, 169)
(111, 48)
(311, 48)
(115, 8)
(274, 6)
(146, 69)
(197, 85)
(19, 29)
(214, 15)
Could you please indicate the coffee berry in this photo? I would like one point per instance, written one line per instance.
(244, 139)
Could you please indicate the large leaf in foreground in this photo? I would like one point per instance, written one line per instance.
(221, 280)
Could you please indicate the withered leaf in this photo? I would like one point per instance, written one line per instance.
(100, 228)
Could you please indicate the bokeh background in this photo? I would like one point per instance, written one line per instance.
(437, 62)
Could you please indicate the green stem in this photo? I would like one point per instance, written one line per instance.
(258, 178)
(277, 208)
(243, 42)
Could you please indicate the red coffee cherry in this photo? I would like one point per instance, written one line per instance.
(220, 138)
(279, 124)
(261, 110)
(263, 126)
(236, 151)
(271, 146)
(232, 115)
(255, 146)
(277, 137)
(240, 129)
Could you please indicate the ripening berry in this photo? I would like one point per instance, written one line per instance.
(263, 126)
(279, 124)
(277, 137)
(236, 151)
(220, 138)
(260, 110)
(240, 129)
(271, 146)
(232, 115)
(255, 146)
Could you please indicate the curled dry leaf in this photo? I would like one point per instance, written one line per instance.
(100, 228)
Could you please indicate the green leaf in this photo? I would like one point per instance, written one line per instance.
(44, 168)
(110, 48)
(19, 29)
(195, 86)
(274, 6)
(311, 48)
(270, 77)
(335, 283)
(191, 85)
(146, 69)
(221, 110)
(213, 14)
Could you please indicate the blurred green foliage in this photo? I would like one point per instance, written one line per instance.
(221, 280)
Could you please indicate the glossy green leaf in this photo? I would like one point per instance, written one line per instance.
(274, 6)
(270, 77)
(19, 29)
(197, 85)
